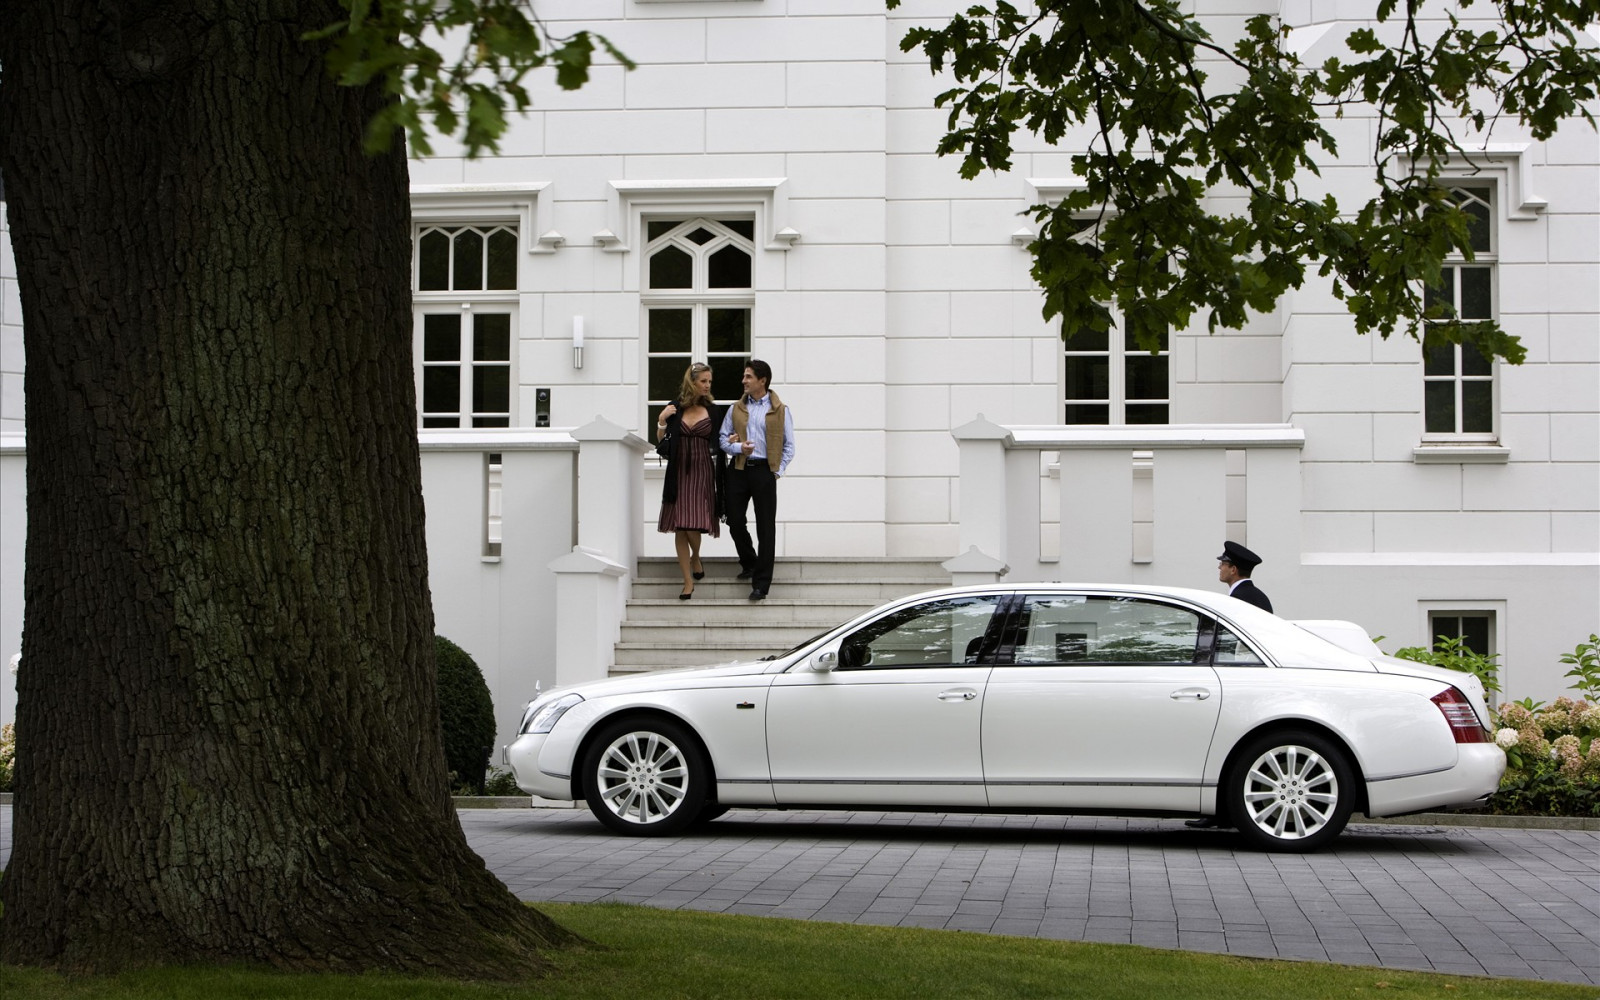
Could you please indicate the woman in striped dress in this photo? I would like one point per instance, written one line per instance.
(691, 494)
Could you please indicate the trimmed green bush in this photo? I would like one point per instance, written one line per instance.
(466, 715)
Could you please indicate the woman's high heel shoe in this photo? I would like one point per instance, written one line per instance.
(699, 574)
(685, 597)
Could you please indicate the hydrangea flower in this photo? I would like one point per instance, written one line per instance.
(1554, 720)
(1507, 738)
(1566, 751)
(1515, 715)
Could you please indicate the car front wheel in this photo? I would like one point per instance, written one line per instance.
(1291, 791)
(645, 777)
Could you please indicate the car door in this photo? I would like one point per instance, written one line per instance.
(1101, 706)
(896, 722)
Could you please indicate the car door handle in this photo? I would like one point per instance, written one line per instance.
(1190, 694)
(958, 694)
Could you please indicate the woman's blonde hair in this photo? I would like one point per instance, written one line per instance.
(689, 393)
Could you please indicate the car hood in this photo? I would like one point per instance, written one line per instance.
(656, 680)
(1468, 684)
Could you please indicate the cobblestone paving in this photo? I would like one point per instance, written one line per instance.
(1519, 903)
(1500, 902)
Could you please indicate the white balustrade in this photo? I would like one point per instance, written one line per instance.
(1076, 518)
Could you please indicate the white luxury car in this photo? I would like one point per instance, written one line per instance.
(1031, 698)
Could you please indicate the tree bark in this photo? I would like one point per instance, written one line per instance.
(228, 735)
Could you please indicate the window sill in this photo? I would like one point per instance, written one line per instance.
(1460, 454)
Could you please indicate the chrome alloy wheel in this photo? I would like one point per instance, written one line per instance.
(1291, 792)
(642, 777)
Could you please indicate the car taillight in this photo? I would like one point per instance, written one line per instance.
(1464, 724)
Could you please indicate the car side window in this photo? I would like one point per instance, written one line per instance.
(946, 632)
(1231, 651)
(1081, 628)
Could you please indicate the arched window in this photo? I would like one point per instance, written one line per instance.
(466, 283)
(698, 300)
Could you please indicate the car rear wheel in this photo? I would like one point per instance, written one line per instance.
(645, 777)
(1291, 791)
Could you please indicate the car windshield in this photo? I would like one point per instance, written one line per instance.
(796, 648)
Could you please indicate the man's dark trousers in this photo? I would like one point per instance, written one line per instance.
(754, 483)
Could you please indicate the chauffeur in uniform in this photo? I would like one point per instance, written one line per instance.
(1234, 567)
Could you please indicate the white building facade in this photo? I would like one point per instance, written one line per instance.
(763, 184)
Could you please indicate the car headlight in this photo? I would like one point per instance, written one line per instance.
(542, 718)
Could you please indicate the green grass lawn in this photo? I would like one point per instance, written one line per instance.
(641, 954)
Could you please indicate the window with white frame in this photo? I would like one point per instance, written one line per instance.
(1475, 629)
(1107, 379)
(698, 298)
(1458, 381)
(465, 281)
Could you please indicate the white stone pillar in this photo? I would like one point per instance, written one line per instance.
(588, 593)
(983, 514)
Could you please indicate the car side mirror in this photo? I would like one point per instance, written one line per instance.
(824, 663)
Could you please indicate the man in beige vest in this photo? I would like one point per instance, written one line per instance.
(758, 434)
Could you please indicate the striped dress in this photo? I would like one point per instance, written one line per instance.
(695, 508)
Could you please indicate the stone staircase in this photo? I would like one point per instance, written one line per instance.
(721, 624)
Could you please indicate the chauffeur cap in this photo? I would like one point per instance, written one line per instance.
(1240, 556)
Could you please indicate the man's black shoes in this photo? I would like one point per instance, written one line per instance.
(744, 574)
(758, 595)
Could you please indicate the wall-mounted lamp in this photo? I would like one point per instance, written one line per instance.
(577, 341)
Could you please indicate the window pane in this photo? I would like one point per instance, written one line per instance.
(657, 228)
(503, 258)
(671, 267)
(701, 236)
(1477, 407)
(491, 389)
(744, 227)
(1093, 413)
(491, 421)
(940, 633)
(441, 422)
(1475, 633)
(1439, 400)
(441, 338)
(1147, 413)
(1107, 630)
(730, 268)
(1230, 651)
(1473, 363)
(1475, 293)
(441, 390)
(433, 261)
(1439, 359)
(726, 376)
(666, 375)
(1444, 293)
(1132, 346)
(670, 330)
(491, 337)
(1089, 378)
(1147, 376)
(1478, 220)
(728, 331)
(469, 260)
(1088, 340)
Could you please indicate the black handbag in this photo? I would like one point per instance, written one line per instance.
(668, 440)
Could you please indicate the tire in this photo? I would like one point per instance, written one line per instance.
(1290, 791)
(645, 777)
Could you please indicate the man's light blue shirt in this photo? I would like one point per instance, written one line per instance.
(759, 408)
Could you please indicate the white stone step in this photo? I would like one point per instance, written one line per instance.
(720, 624)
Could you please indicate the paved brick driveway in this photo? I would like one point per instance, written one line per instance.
(1522, 903)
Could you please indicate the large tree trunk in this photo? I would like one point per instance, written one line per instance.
(228, 737)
